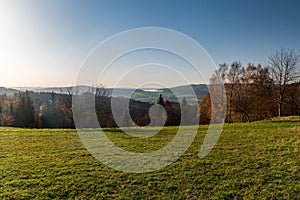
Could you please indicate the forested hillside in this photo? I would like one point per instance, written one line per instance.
(253, 92)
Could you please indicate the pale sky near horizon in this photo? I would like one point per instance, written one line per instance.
(44, 43)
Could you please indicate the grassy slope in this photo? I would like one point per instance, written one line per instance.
(251, 160)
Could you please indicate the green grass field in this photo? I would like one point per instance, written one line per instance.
(259, 160)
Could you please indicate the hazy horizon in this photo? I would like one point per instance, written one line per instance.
(67, 86)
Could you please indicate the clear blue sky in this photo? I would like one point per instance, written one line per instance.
(43, 42)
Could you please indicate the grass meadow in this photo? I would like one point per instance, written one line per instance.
(259, 160)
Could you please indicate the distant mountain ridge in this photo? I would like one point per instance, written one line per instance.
(8, 91)
(174, 94)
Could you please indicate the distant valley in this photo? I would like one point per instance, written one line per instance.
(146, 95)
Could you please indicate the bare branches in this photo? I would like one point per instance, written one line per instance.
(284, 65)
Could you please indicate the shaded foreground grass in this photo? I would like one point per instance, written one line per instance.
(251, 160)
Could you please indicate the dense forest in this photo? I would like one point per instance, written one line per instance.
(253, 92)
(50, 110)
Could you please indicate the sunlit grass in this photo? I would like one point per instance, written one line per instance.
(252, 160)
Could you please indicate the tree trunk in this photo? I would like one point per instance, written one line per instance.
(280, 106)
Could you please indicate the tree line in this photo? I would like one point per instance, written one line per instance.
(52, 110)
(256, 92)
(36, 110)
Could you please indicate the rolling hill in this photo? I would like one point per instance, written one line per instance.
(146, 94)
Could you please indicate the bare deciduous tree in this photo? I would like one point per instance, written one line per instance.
(233, 77)
(284, 65)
